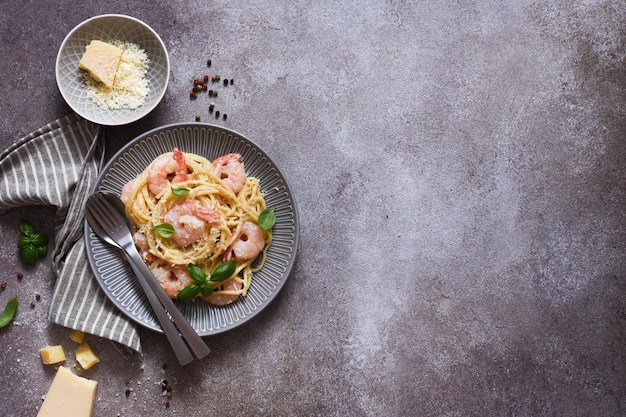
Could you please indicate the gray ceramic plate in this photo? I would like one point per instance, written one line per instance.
(108, 28)
(115, 276)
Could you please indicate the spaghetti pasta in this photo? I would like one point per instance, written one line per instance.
(187, 210)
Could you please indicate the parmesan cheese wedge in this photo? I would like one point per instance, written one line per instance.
(101, 60)
(86, 356)
(77, 336)
(52, 354)
(69, 396)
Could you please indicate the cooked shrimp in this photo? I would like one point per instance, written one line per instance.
(189, 220)
(248, 244)
(126, 190)
(230, 170)
(142, 246)
(164, 168)
(171, 278)
(223, 299)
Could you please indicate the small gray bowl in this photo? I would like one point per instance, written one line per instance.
(110, 27)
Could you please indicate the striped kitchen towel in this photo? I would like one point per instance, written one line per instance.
(58, 165)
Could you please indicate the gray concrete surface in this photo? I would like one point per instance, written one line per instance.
(459, 170)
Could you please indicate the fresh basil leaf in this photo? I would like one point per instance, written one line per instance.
(267, 219)
(39, 240)
(206, 290)
(197, 274)
(23, 242)
(29, 255)
(26, 227)
(165, 230)
(9, 312)
(31, 245)
(180, 191)
(189, 292)
(224, 271)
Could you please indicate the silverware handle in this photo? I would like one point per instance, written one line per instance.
(197, 345)
(182, 352)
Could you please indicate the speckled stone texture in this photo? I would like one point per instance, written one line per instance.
(459, 171)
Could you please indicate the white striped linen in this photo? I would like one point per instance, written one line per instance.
(58, 165)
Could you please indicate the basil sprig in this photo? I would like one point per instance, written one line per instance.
(202, 285)
(9, 312)
(32, 246)
(267, 219)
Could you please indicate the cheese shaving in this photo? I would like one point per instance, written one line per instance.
(131, 85)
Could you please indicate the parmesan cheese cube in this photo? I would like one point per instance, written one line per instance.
(52, 354)
(101, 60)
(86, 356)
(69, 396)
(77, 336)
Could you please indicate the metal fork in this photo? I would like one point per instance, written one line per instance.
(105, 214)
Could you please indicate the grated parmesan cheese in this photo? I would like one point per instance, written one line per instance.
(131, 85)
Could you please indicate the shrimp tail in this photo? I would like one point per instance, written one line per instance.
(181, 170)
